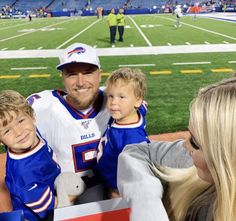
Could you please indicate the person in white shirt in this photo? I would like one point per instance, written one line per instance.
(74, 119)
(178, 14)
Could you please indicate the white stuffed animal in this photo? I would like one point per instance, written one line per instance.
(68, 183)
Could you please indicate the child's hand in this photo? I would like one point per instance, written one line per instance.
(72, 198)
(114, 193)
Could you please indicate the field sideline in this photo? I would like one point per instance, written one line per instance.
(180, 49)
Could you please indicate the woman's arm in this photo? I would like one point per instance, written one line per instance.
(136, 182)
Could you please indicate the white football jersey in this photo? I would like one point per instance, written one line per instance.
(178, 11)
(73, 136)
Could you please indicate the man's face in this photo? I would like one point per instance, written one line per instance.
(81, 82)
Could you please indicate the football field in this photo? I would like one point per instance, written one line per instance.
(176, 61)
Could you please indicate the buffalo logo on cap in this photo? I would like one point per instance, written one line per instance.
(78, 50)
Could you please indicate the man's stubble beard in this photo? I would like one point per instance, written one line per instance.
(80, 105)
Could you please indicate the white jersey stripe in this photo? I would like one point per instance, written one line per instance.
(46, 193)
(45, 206)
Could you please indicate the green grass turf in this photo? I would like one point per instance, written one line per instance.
(168, 95)
(159, 30)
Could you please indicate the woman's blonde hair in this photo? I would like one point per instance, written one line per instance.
(12, 101)
(135, 77)
(213, 123)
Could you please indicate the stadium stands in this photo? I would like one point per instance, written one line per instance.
(67, 5)
(7, 9)
(31, 5)
(145, 4)
(6, 2)
(43, 8)
(107, 4)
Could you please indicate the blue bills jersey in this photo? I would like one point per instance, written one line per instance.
(30, 180)
(113, 142)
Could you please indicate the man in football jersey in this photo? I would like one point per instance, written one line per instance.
(30, 166)
(73, 120)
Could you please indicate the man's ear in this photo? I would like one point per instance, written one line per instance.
(138, 102)
(100, 75)
(63, 79)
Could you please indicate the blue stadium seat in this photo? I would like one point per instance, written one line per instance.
(31, 5)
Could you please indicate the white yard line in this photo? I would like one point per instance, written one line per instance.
(14, 26)
(202, 29)
(232, 62)
(187, 63)
(75, 36)
(140, 31)
(157, 50)
(16, 36)
(30, 32)
(29, 68)
(136, 65)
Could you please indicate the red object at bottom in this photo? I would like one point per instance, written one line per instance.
(115, 215)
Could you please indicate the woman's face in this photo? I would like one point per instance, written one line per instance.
(198, 159)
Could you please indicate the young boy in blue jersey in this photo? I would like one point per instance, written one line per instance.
(30, 167)
(125, 89)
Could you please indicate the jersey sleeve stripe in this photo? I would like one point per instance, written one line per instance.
(46, 193)
(46, 205)
(145, 104)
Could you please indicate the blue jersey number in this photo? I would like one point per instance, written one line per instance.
(85, 155)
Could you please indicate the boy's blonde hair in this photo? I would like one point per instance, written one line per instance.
(12, 101)
(135, 77)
